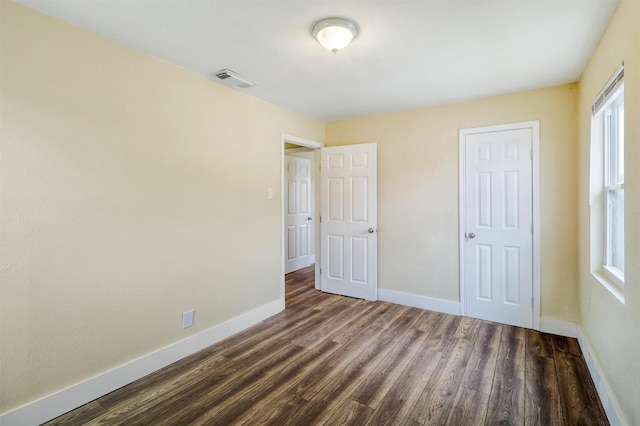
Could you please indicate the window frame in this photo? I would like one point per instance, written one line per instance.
(602, 227)
(612, 180)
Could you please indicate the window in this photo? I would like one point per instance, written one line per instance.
(614, 186)
(607, 185)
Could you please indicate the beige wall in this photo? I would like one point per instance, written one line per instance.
(418, 191)
(125, 201)
(610, 327)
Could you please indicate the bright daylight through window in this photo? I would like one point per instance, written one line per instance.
(607, 183)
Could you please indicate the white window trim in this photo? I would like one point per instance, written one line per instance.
(613, 274)
(609, 284)
(610, 277)
(611, 133)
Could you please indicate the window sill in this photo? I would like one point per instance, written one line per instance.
(608, 283)
(614, 275)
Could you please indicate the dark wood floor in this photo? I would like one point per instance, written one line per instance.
(335, 360)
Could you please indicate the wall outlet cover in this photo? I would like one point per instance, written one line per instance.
(187, 319)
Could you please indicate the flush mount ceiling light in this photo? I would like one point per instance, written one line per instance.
(335, 33)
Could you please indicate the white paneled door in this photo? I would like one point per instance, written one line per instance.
(349, 220)
(498, 226)
(297, 220)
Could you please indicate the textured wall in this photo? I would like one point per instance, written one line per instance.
(132, 190)
(611, 327)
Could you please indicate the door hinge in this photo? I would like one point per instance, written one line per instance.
(532, 229)
(532, 302)
(320, 271)
(320, 219)
(531, 153)
(320, 166)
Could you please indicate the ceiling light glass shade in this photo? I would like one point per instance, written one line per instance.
(335, 33)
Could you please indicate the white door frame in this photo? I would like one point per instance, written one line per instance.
(535, 170)
(285, 138)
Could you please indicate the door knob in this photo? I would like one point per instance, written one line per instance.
(371, 230)
(470, 235)
(309, 218)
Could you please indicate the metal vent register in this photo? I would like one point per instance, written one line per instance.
(232, 79)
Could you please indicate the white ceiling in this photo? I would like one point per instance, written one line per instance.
(409, 53)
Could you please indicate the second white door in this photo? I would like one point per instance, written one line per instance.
(498, 225)
(297, 214)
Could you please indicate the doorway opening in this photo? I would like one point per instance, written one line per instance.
(300, 191)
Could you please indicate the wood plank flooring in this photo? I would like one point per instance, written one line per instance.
(333, 360)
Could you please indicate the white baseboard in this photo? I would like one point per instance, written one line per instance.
(561, 328)
(547, 325)
(58, 403)
(598, 379)
(417, 301)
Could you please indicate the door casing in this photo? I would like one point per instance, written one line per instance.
(535, 128)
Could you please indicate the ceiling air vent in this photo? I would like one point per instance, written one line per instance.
(232, 79)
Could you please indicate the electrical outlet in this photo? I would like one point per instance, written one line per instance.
(187, 319)
(269, 193)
